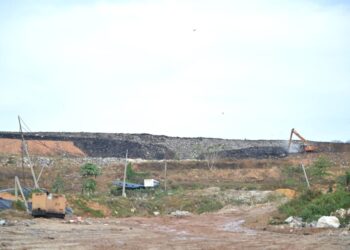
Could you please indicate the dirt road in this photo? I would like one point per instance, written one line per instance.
(223, 230)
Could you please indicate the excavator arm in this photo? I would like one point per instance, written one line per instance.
(307, 147)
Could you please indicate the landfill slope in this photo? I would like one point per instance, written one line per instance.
(147, 146)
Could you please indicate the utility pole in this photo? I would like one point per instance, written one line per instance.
(307, 180)
(165, 177)
(24, 145)
(18, 184)
(22, 149)
(126, 165)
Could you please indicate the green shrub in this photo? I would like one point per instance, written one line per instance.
(313, 204)
(82, 205)
(89, 186)
(293, 177)
(133, 176)
(344, 181)
(319, 167)
(11, 160)
(89, 169)
(115, 190)
(19, 205)
(58, 185)
(35, 190)
(208, 205)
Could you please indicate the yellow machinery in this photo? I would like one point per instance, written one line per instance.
(48, 205)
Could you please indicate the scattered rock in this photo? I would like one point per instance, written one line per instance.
(348, 212)
(289, 219)
(156, 213)
(2, 222)
(295, 221)
(311, 224)
(77, 220)
(179, 213)
(26, 223)
(344, 233)
(328, 222)
(340, 213)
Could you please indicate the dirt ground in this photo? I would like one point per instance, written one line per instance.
(230, 228)
(233, 227)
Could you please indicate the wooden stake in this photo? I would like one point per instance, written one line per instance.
(126, 165)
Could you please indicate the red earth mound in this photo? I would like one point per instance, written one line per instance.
(40, 147)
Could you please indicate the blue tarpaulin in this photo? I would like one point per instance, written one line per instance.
(5, 204)
(128, 185)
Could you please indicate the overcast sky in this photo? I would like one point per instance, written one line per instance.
(231, 69)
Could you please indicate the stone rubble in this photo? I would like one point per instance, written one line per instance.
(328, 222)
(2, 222)
(340, 213)
(179, 213)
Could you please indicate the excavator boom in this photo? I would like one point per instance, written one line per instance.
(307, 147)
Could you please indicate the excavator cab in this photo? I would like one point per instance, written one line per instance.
(309, 148)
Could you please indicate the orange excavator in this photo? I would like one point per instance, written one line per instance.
(306, 146)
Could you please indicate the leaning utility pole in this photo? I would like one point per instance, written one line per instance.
(305, 175)
(25, 148)
(22, 149)
(126, 165)
(18, 185)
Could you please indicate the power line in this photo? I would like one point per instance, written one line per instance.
(39, 141)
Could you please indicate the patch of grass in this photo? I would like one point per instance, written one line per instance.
(133, 176)
(318, 171)
(121, 207)
(344, 181)
(83, 206)
(292, 177)
(11, 160)
(19, 205)
(319, 168)
(58, 185)
(146, 201)
(208, 205)
(313, 204)
(36, 190)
